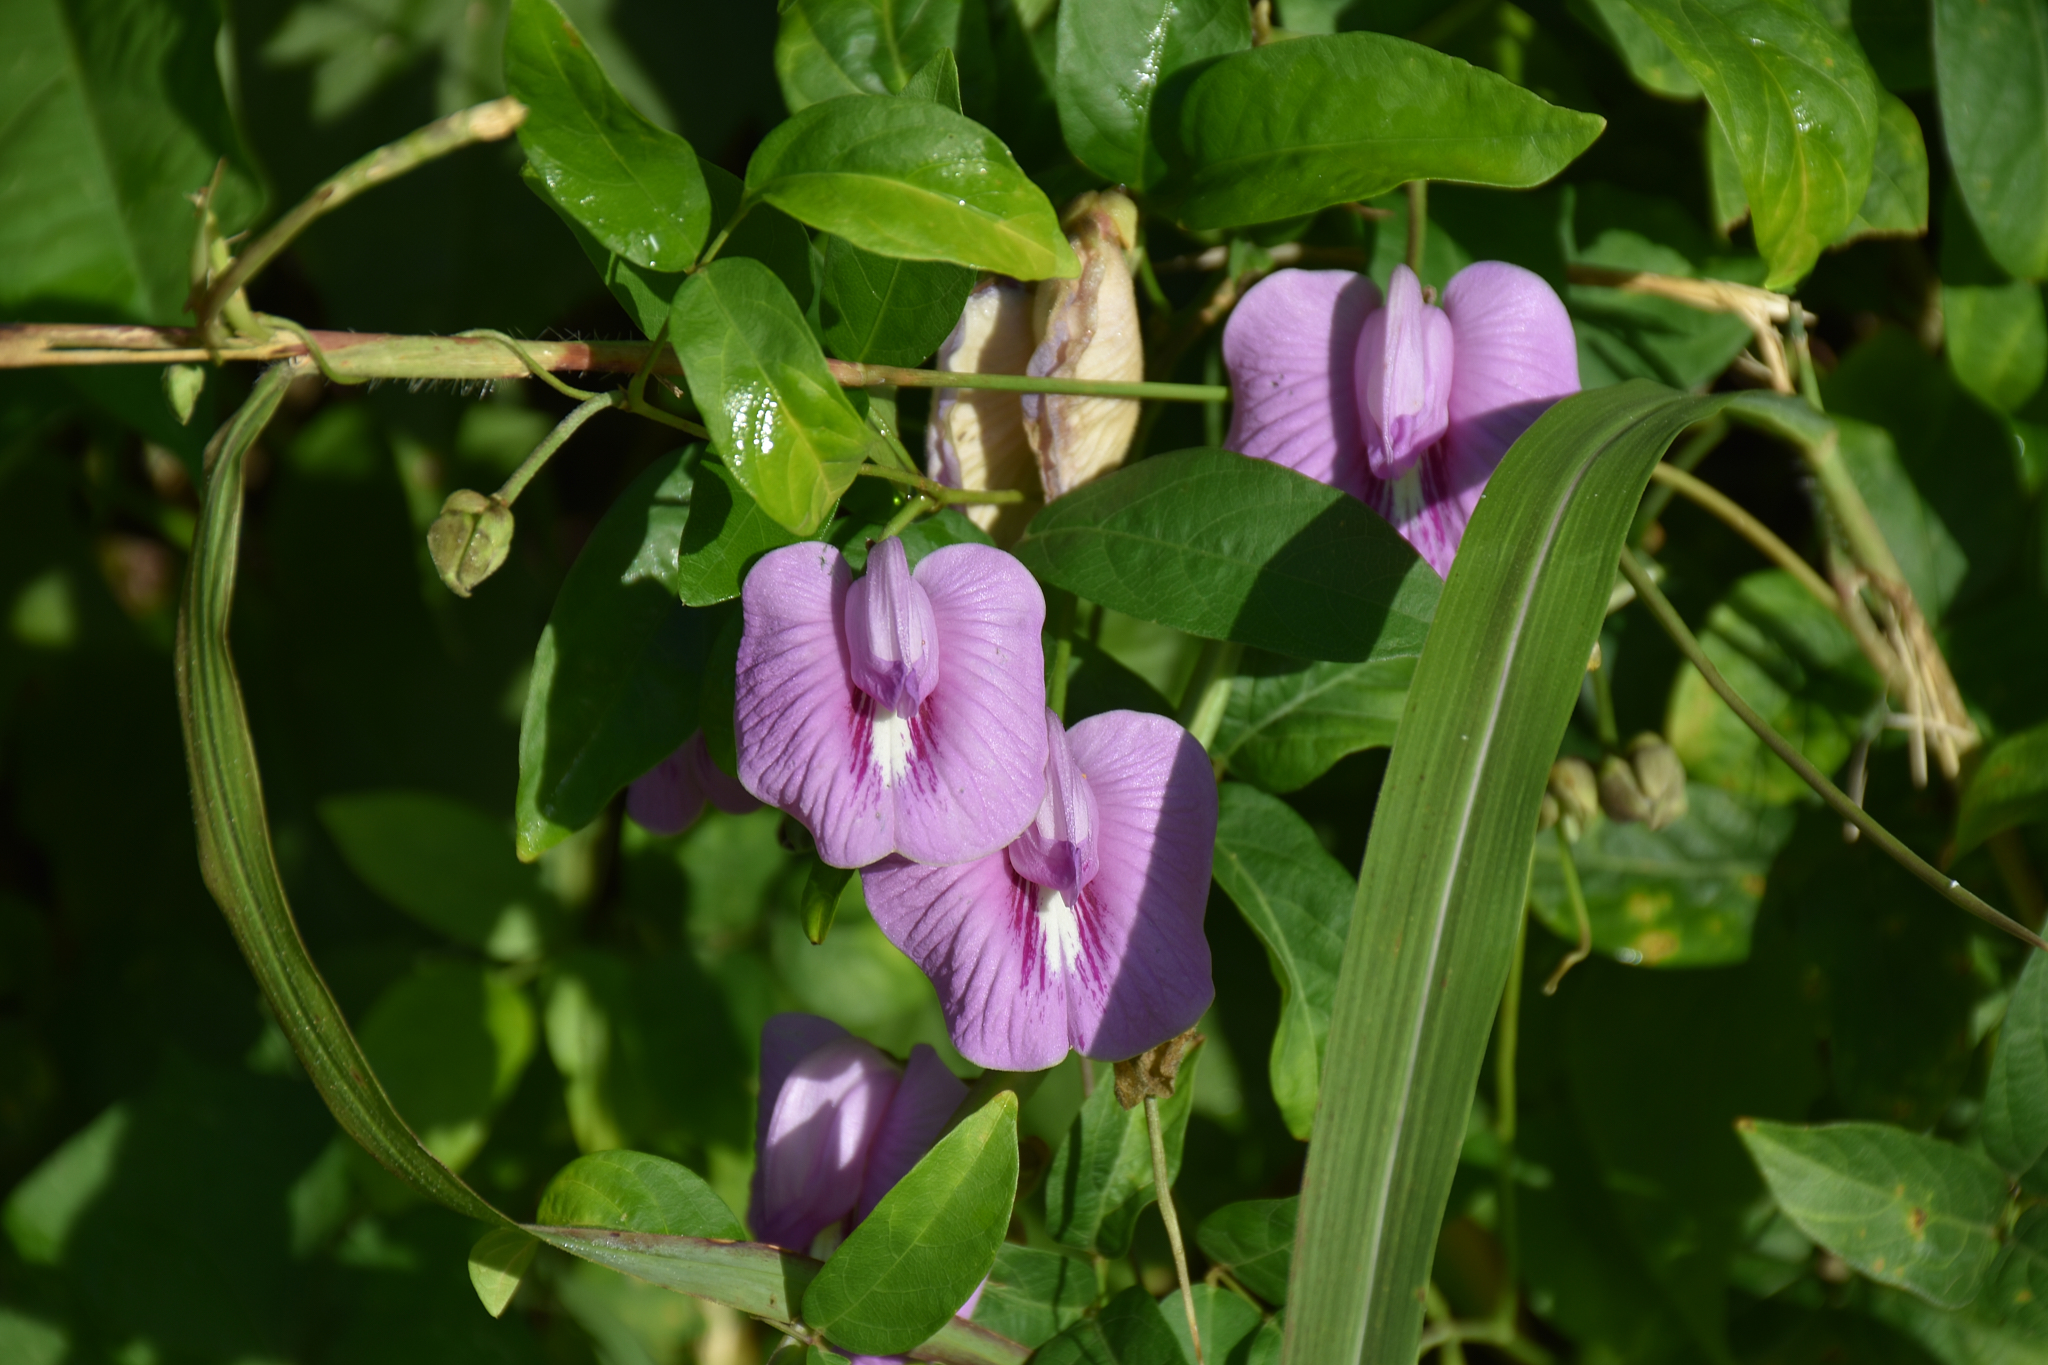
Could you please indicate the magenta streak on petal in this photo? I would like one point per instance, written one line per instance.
(1403, 378)
(1057, 849)
(890, 635)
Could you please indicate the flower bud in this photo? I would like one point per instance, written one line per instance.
(1646, 786)
(182, 387)
(1087, 328)
(1574, 795)
(976, 437)
(469, 540)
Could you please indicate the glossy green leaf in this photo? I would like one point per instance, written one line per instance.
(1297, 899)
(1794, 661)
(1895, 205)
(1294, 127)
(112, 112)
(885, 311)
(620, 663)
(2017, 1296)
(1991, 69)
(635, 186)
(445, 863)
(829, 48)
(636, 1192)
(905, 1271)
(1227, 1323)
(1288, 722)
(2010, 787)
(1231, 548)
(1101, 1176)
(1798, 103)
(1254, 1241)
(1131, 1329)
(1446, 865)
(785, 428)
(1114, 58)
(1649, 61)
(912, 179)
(1682, 896)
(938, 80)
(1032, 1296)
(449, 1042)
(2016, 1094)
(1726, 198)
(768, 235)
(1905, 1210)
(726, 532)
(497, 1263)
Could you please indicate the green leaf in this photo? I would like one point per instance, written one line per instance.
(445, 863)
(497, 1263)
(764, 1281)
(2010, 788)
(884, 311)
(1799, 106)
(620, 664)
(42, 1211)
(1682, 896)
(767, 235)
(775, 413)
(1130, 1330)
(2018, 1294)
(1997, 340)
(635, 186)
(829, 48)
(112, 112)
(1794, 661)
(1297, 899)
(726, 532)
(635, 1192)
(1905, 1210)
(1288, 722)
(1649, 61)
(1254, 1241)
(449, 1042)
(912, 1262)
(1726, 197)
(1991, 70)
(1231, 548)
(2016, 1094)
(1227, 1324)
(938, 80)
(912, 179)
(1294, 127)
(1447, 862)
(1032, 1296)
(235, 853)
(1101, 1176)
(1895, 205)
(1115, 56)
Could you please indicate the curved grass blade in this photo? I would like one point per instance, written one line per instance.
(1448, 861)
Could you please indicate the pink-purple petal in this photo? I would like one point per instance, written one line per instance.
(890, 636)
(798, 715)
(977, 770)
(813, 1153)
(1155, 795)
(1403, 378)
(1291, 345)
(1057, 848)
(916, 1119)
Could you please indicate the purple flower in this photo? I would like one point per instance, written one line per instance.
(899, 713)
(668, 798)
(840, 1122)
(1086, 932)
(1406, 406)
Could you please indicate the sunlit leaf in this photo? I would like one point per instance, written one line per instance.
(636, 1192)
(449, 1042)
(1101, 1176)
(1114, 58)
(1288, 722)
(1032, 1295)
(1254, 1241)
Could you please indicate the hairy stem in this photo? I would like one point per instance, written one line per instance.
(1688, 645)
(938, 492)
(1164, 1187)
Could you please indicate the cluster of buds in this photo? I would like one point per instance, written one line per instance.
(1044, 444)
(1644, 784)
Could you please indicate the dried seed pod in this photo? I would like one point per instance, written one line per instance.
(976, 436)
(1087, 328)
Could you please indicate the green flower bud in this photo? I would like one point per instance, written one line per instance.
(1647, 786)
(469, 540)
(182, 387)
(1547, 814)
(1576, 794)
